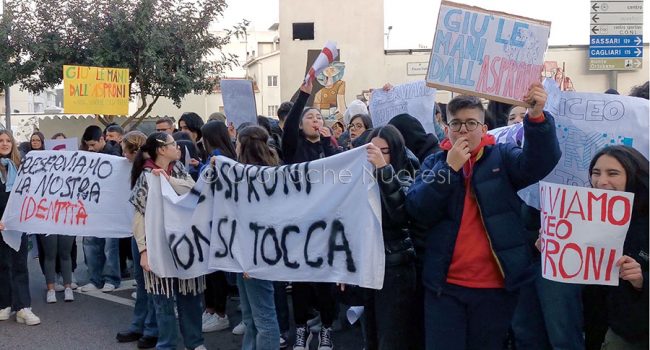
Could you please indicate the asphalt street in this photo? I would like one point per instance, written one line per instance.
(93, 319)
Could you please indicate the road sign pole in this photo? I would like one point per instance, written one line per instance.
(613, 80)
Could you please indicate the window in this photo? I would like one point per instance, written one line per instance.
(272, 80)
(303, 31)
(273, 110)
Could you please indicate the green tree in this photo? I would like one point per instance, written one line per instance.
(164, 43)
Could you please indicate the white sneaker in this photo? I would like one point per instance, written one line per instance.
(59, 287)
(74, 285)
(68, 295)
(239, 329)
(200, 347)
(51, 296)
(134, 295)
(108, 287)
(89, 288)
(27, 317)
(214, 322)
(5, 313)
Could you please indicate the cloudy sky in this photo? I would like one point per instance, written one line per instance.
(413, 21)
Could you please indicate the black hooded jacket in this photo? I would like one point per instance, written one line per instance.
(416, 139)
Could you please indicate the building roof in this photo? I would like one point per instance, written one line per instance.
(260, 58)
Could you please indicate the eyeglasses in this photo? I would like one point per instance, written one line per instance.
(356, 126)
(173, 143)
(470, 125)
(384, 150)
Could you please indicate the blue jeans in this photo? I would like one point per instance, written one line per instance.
(102, 257)
(463, 318)
(258, 314)
(549, 316)
(190, 310)
(144, 313)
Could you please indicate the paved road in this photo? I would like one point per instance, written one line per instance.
(92, 320)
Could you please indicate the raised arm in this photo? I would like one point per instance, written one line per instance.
(291, 130)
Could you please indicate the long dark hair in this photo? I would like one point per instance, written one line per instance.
(636, 172)
(253, 147)
(147, 151)
(41, 137)
(216, 137)
(396, 145)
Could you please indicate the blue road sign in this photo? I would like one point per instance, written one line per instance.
(611, 52)
(615, 41)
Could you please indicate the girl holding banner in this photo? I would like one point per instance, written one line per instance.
(159, 156)
(305, 139)
(257, 296)
(622, 168)
(143, 327)
(14, 276)
(217, 142)
(390, 321)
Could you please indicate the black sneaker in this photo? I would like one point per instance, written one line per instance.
(127, 337)
(147, 342)
(325, 339)
(303, 337)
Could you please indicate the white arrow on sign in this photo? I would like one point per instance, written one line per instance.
(637, 63)
(637, 41)
(638, 52)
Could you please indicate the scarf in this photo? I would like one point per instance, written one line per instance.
(150, 164)
(9, 180)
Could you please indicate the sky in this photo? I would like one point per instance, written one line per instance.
(413, 21)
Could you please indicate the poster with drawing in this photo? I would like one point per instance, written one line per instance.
(490, 54)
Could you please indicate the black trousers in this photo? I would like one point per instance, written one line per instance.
(390, 312)
(303, 294)
(216, 291)
(14, 276)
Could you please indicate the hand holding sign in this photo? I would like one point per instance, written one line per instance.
(375, 157)
(159, 172)
(630, 271)
(144, 261)
(536, 97)
(307, 87)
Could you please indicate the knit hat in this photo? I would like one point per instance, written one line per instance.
(356, 107)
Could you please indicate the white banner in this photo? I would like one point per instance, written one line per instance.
(70, 144)
(416, 99)
(585, 123)
(71, 193)
(583, 231)
(318, 221)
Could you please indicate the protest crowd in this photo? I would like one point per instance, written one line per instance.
(464, 259)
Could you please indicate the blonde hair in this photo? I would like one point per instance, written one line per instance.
(133, 140)
(14, 155)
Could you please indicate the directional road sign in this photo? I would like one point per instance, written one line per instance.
(616, 42)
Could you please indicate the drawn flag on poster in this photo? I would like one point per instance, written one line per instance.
(326, 56)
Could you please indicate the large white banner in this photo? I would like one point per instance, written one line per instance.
(583, 231)
(71, 193)
(316, 221)
(415, 98)
(585, 123)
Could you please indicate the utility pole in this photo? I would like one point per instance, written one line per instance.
(6, 86)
